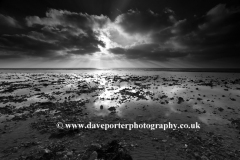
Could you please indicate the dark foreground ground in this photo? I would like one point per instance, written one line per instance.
(31, 104)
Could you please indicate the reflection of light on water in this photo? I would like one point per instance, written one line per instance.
(208, 118)
(167, 114)
(29, 101)
(122, 111)
(22, 91)
(197, 106)
(210, 102)
(103, 81)
(103, 114)
(106, 104)
(106, 94)
(171, 90)
(81, 97)
(36, 99)
(204, 118)
(123, 84)
(41, 110)
(5, 117)
(175, 89)
(172, 107)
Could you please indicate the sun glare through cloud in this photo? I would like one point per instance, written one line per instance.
(156, 37)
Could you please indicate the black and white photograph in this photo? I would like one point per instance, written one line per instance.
(119, 80)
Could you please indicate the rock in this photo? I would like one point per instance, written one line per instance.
(112, 109)
(185, 146)
(70, 153)
(204, 158)
(15, 149)
(93, 156)
(115, 150)
(196, 154)
(59, 153)
(95, 146)
(220, 109)
(180, 100)
(47, 150)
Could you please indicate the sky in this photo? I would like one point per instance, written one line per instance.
(119, 34)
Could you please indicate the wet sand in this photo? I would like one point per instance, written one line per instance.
(32, 102)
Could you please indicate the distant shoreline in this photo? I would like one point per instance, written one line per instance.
(227, 70)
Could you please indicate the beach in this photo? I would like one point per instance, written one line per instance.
(32, 102)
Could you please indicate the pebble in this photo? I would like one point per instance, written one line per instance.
(70, 153)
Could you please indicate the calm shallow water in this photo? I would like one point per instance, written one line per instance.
(159, 92)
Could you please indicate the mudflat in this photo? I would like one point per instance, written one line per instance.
(33, 102)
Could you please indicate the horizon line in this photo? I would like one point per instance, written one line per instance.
(119, 68)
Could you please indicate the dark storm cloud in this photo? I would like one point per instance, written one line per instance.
(66, 18)
(71, 30)
(162, 28)
(217, 18)
(135, 21)
(9, 25)
(213, 36)
(221, 26)
(8, 21)
(148, 51)
(218, 36)
(163, 34)
(27, 46)
(60, 34)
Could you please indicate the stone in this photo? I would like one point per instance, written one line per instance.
(93, 156)
(70, 153)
